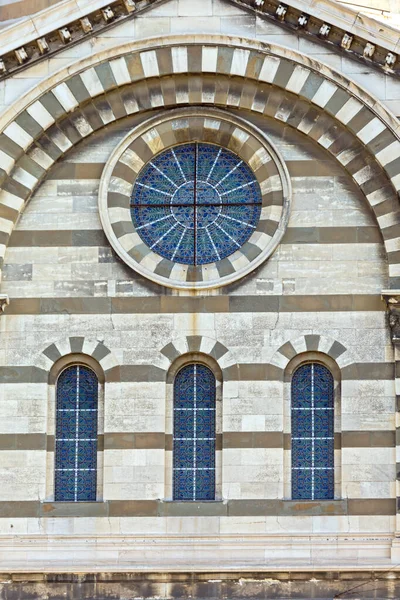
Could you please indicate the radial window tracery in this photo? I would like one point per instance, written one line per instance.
(196, 203)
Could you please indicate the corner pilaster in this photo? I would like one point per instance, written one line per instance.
(392, 300)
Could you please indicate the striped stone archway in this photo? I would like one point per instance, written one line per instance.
(76, 345)
(311, 343)
(196, 344)
(210, 70)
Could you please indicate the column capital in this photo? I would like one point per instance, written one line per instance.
(392, 300)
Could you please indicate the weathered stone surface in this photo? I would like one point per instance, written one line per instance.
(317, 298)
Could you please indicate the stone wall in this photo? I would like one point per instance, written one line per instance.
(319, 295)
(320, 291)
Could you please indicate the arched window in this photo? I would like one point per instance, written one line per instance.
(312, 416)
(76, 435)
(194, 433)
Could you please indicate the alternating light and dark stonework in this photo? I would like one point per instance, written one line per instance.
(316, 281)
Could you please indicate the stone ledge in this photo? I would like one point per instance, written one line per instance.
(73, 509)
(189, 304)
(239, 372)
(168, 558)
(228, 440)
(218, 508)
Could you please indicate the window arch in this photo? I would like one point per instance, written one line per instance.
(194, 433)
(76, 434)
(312, 432)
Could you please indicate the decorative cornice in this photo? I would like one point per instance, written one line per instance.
(392, 299)
(337, 26)
(50, 31)
(38, 41)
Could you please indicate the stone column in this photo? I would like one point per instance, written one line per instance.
(392, 299)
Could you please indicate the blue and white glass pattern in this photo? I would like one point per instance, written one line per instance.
(76, 435)
(312, 433)
(196, 203)
(194, 434)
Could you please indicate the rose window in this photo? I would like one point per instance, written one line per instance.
(196, 203)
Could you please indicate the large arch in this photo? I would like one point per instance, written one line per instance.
(177, 70)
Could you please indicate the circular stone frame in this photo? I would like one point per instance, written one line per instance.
(182, 126)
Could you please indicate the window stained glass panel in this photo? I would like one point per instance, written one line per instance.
(312, 433)
(76, 435)
(196, 203)
(194, 434)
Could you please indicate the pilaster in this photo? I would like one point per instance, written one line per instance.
(392, 300)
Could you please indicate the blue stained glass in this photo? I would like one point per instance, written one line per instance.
(196, 203)
(312, 417)
(76, 435)
(194, 434)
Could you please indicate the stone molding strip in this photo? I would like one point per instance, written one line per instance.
(61, 26)
(352, 33)
(28, 238)
(353, 126)
(189, 304)
(236, 372)
(229, 508)
(226, 440)
(50, 443)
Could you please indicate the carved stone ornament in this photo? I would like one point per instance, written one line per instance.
(392, 299)
(4, 301)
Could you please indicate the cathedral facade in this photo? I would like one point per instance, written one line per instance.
(200, 327)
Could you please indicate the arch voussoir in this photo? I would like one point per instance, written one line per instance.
(342, 118)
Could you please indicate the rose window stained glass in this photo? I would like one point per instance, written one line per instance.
(76, 435)
(196, 203)
(194, 434)
(312, 416)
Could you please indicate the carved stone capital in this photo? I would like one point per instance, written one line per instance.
(4, 301)
(392, 299)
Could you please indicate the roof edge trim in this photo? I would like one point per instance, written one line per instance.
(61, 26)
(71, 21)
